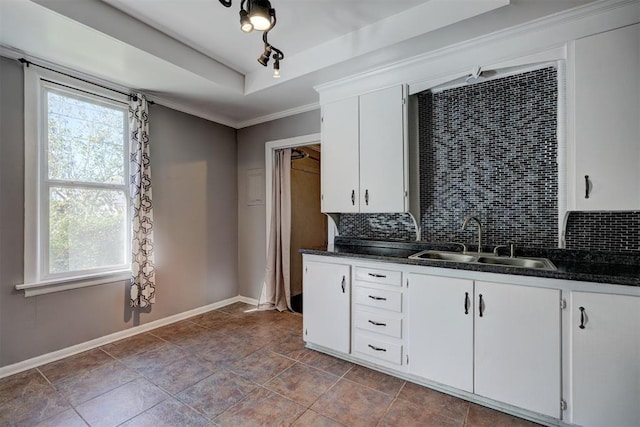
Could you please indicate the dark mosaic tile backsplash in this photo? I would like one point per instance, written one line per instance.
(607, 231)
(488, 150)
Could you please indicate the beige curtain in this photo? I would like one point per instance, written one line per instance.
(276, 291)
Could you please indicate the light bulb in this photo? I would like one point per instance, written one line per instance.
(260, 22)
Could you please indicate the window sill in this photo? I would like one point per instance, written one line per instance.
(59, 285)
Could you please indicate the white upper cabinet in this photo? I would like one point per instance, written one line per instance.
(340, 157)
(364, 152)
(382, 151)
(607, 113)
(605, 360)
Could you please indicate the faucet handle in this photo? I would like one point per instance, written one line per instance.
(512, 250)
(497, 249)
(464, 247)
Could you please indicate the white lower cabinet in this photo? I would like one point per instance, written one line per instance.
(605, 360)
(440, 316)
(499, 341)
(327, 311)
(496, 340)
(517, 346)
(378, 316)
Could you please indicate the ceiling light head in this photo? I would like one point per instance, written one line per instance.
(245, 23)
(264, 58)
(276, 69)
(260, 13)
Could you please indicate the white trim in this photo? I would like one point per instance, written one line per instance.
(34, 362)
(65, 284)
(37, 279)
(270, 148)
(279, 115)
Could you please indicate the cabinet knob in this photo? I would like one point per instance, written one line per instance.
(583, 319)
(481, 306)
(353, 197)
(366, 197)
(344, 279)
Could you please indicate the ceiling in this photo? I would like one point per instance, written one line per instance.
(191, 55)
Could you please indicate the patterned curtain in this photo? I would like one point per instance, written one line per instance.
(143, 288)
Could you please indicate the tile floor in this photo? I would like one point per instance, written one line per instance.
(227, 367)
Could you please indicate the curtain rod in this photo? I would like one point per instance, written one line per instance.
(132, 96)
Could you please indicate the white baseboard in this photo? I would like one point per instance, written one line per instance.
(34, 362)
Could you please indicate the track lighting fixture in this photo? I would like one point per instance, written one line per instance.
(259, 15)
(264, 58)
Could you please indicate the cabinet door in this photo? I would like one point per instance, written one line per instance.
(517, 346)
(340, 176)
(441, 330)
(382, 151)
(327, 289)
(605, 360)
(607, 107)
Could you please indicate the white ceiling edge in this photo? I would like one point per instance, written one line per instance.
(11, 53)
(360, 82)
(379, 35)
(106, 19)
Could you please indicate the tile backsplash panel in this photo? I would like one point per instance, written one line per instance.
(605, 231)
(488, 150)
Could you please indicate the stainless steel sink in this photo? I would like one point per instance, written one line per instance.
(537, 263)
(534, 263)
(444, 256)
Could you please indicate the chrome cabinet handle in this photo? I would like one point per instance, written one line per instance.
(582, 318)
(466, 303)
(587, 186)
(353, 197)
(481, 306)
(377, 323)
(343, 284)
(366, 197)
(377, 275)
(377, 298)
(377, 348)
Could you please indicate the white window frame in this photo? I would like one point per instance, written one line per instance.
(37, 280)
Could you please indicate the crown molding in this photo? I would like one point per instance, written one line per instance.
(279, 115)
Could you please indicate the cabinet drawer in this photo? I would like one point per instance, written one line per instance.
(381, 324)
(379, 349)
(388, 300)
(376, 275)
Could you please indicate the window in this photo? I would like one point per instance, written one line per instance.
(76, 193)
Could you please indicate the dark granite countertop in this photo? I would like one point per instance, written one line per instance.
(620, 268)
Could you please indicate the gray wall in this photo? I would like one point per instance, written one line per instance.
(194, 188)
(252, 219)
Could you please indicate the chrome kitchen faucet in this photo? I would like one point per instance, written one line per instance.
(464, 225)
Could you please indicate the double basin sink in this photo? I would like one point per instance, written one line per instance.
(482, 258)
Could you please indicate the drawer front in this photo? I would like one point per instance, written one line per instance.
(379, 349)
(381, 324)
(376, 275)
(379, 298)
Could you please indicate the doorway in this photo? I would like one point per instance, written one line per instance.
(308, 224)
